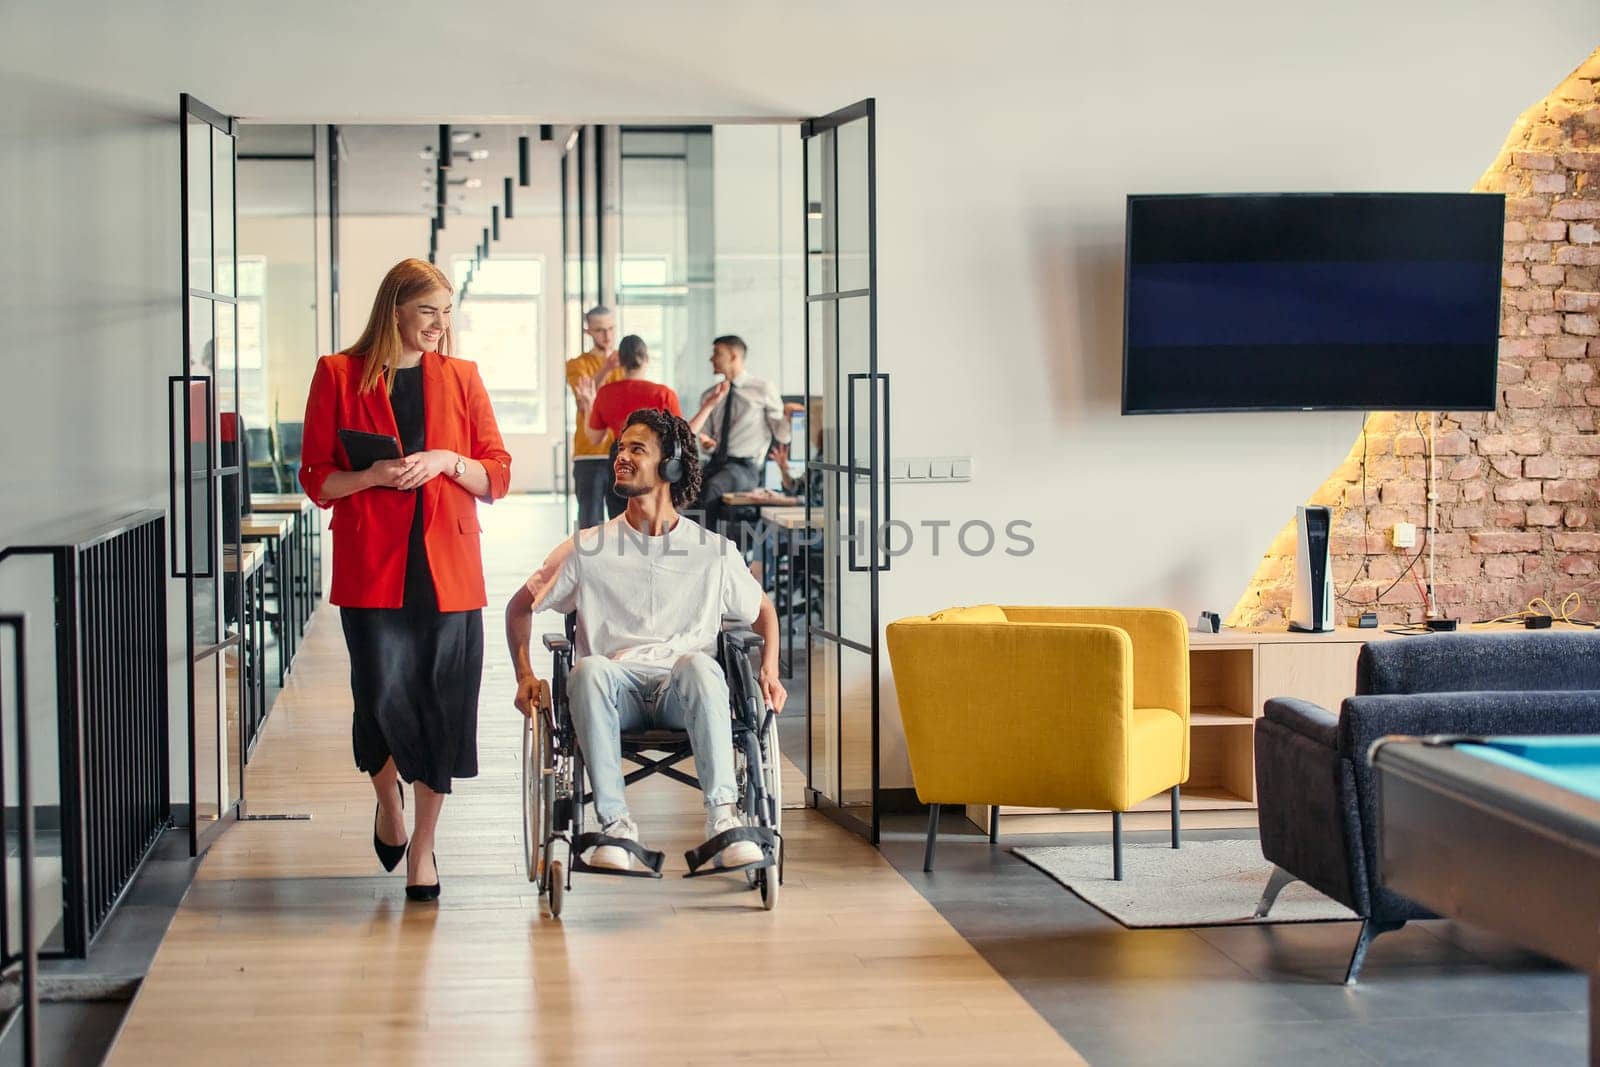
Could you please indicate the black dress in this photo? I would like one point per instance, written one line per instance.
(415, 670)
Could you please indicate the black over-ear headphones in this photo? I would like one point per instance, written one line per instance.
(671, 469)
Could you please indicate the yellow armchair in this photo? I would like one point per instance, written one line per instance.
(1044, 707)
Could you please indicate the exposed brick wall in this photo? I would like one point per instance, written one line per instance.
(1518, 512)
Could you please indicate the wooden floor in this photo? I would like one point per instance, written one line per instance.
(293, 947)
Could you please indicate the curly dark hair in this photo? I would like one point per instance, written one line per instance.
(687, 489)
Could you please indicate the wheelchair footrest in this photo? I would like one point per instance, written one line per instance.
(697, 858)
(652, 860)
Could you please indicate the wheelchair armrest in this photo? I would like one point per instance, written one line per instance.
(557, 643)
(745, 640)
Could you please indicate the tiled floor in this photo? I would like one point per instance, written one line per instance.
(1431, 993)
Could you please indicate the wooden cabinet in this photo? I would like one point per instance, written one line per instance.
(1231, 675)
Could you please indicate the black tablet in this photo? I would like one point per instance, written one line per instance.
(364, 449)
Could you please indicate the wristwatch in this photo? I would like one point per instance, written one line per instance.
(460, 467)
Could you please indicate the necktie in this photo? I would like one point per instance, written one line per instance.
(721, 452)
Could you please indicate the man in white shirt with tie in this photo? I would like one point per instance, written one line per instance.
(742, 415)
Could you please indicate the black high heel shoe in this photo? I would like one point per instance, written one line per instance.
(388, 855)
(425, 893)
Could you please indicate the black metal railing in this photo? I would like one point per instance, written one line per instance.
(19, 954)
(110, 629)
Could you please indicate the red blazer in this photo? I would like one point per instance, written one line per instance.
(371, 528)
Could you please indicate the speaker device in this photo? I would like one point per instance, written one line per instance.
(1311, 607)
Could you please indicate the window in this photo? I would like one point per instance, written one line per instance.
(498, 327)
(253, 341)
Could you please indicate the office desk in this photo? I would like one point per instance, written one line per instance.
(783, 570)
(272, 532)
(249, 614)
(1503, 833)
(760, 498)
(308, 531)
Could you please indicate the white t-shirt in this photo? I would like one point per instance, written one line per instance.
(646, 600)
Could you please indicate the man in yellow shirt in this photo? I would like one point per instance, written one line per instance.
(591, 450)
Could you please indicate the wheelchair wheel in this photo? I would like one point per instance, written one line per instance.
(556, 879)
(538, 796)
(769, 879)
(772, 772)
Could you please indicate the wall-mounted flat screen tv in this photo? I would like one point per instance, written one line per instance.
(1308, 301)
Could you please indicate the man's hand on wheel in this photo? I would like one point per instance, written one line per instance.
(532, 694)
(772, 690)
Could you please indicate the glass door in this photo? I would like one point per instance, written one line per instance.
(851, 457)
(205, 477)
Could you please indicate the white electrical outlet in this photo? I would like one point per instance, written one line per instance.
(1404, 535)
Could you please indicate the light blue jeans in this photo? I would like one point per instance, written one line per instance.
(608, 697)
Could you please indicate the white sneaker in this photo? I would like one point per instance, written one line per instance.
(612, 857)
(725, 817)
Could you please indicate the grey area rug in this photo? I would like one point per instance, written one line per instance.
(1204, 883)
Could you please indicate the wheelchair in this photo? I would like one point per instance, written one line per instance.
(554, 792)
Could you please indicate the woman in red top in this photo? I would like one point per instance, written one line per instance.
(615, 402)
(407, 566)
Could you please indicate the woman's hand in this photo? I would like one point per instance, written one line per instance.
(718, 391)
(772, 689)
(708, 442)
(387, 473)
(532, 695)
(583, 392)
(424, 467)
(714, 397)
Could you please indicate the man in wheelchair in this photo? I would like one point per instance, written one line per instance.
(650, 589)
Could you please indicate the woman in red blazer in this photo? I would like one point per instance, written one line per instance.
(407, 565)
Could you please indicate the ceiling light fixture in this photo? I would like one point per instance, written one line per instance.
(508, 211)
(524, 163)
(547, 132)
(444, 147)
(494, 220)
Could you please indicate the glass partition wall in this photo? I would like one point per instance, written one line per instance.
(206, 492)
(850, 459)
(277, 295)
(666, 267)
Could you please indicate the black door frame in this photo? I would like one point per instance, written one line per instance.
(189, 109)
(877, 463)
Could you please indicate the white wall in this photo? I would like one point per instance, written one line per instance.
(1009, 135)
(89, 294)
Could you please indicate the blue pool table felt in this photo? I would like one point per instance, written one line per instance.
(1572, 763)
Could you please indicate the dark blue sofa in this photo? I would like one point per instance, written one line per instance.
(1315, 787)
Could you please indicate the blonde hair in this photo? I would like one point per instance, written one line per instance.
(379, 344)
